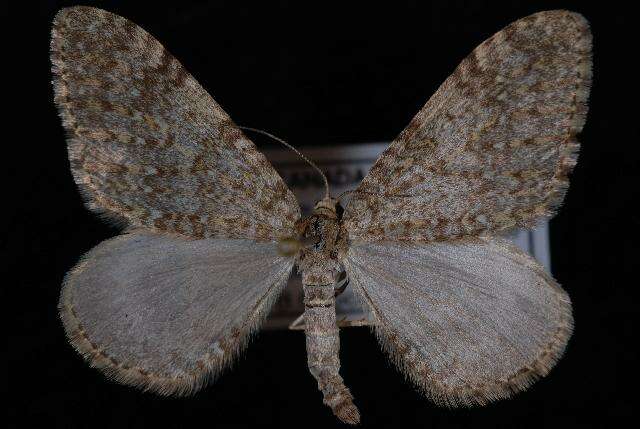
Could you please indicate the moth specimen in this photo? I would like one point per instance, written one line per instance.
(212, 232)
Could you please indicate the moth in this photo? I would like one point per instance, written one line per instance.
(211, 232)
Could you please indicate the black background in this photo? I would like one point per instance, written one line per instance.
(323, 74)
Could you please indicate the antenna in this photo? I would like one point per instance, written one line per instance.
(324, 178)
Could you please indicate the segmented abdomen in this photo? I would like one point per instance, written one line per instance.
(323, 346)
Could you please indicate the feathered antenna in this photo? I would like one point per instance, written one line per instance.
(307, 160)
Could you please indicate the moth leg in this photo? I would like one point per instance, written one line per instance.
(341, 284)
(345, 323)
(298, 324)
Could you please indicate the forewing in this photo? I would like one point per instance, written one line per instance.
(468, 322)
(148, 145)
(491, 150)
(166, 313)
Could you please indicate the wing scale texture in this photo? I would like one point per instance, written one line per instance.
(468, 322)
(166, 313)
(149, 146)
(491, 150)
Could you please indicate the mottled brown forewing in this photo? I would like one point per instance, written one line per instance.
(491, 150)
(149, 146)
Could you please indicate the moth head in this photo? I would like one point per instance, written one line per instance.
(329, 207)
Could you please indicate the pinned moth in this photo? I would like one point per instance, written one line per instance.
(212, 232)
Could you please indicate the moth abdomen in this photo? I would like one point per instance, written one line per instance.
(323, 347)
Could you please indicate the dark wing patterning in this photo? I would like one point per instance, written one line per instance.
(491, 150)
(149, 146)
